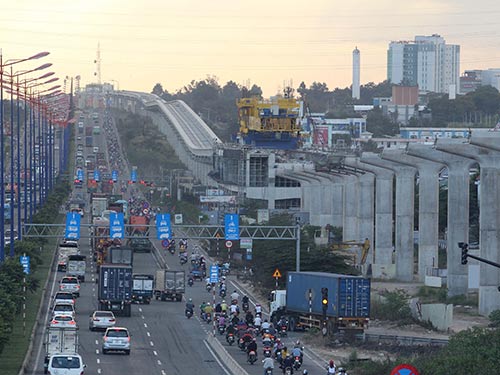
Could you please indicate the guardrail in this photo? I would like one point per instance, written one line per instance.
(405, 340)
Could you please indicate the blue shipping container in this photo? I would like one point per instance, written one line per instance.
(348, 296)
(115, 283)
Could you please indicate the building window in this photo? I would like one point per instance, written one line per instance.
(285, 182)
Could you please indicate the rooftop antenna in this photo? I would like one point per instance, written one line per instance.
(97, 62)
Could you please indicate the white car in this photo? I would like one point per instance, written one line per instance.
(64, 297)
(116, 339)
(64, 309)
(70, 284)
(62, 321)
(66, 364)
(101, 320)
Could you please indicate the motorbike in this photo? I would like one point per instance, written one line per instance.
(269, 371)
(266, 351)
(190, 281)
(252, 357)
(230, 339)
(245, 306)
(183, 260)
(296, 362)
(288, 370)
(171, 249)
(221, 329)
(222, 293)
(283, 330)
(189, 313)
(208, 287)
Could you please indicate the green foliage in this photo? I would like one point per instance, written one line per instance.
(432, 295)
(380, 125)
(495, 319)
(393, 307)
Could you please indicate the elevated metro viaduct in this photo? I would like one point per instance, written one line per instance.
(369, 195)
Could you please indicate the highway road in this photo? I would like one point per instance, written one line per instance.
(163, 340)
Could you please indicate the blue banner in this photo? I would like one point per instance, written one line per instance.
(133, 176)
(72, 231)
(114, 175)
(214, 274)
(116, 226)
(163, 229)
(79, 174)
(25, 263)
(97, 175)
(232, 227)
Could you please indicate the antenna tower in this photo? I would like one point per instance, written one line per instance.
(97, 63)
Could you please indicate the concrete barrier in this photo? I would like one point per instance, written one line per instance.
(225, 357)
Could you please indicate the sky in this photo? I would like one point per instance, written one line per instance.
(268, 43)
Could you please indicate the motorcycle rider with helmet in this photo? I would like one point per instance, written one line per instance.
(287, 363)
(331, 368)
(189, 306)
(252, 346)
(268, 363)
(297, 351)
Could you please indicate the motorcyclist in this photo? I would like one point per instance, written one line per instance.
(257, 322)
(297, 351)
(265, 326)
(268, 363)
(331, 368)
(287, 362)
(249, 318)
(235, 296)
(252, 346)
(245, 299)
(218, 308)
(230, 330)
(202, 308)
(223, 306)
(258, 309)
(234, 309)
(342, 371)
(221, 321)
(208, 310)
(189, 306)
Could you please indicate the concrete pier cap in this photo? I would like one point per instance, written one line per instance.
(428, 198)
(458, 211)
(483, 147)
(381, 246)
(405, 182)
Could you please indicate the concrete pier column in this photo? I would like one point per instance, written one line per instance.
(485, 148)
(350, 226)
(428, 207)
(405, 181)
(337, 202)
(458, 211)
(366, 208)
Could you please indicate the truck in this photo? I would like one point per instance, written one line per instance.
(119, 255)
(138, 244)
(76, 266)
(326, 301)
(64, 250)
(88, 141)
(170, 285)
(98, 204)
(115, 288)
(88, 131)
(59, 340)
(142, 290)
(139, 226)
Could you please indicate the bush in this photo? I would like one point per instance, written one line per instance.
(393, 307)
(495, 319)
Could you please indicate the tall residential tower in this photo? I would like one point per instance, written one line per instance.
(355, 73)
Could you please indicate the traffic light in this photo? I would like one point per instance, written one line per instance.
(324, 299)
(465, 251)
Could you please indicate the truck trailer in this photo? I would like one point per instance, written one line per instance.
(327, 301)
(76, 266)
(170, 285)
(59, 341)
(115, 288)
(142, 290)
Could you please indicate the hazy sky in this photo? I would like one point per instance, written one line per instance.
(263, 42)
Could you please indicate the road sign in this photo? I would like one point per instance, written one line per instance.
(79, 175)
(178, 219)
(25, 263)
(404, 369)
(232, 227)
(165, 242)
(249, 254)
(116, 226)
(277, 273)
(145, 211)
(229, 244)
(145, 205)
(72, 231)
(214, 273)
(133, 176)
(163, 229)
(114, 175)
(246, 243)
(97, 175)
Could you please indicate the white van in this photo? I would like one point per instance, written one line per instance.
(96, 150)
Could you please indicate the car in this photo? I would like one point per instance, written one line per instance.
(79, 147)
(79, 138)
(101, 320)
(70, 284)
(62, 321)
(79, 153)
(66, 364)
(116, 339)
(64, 297)
(64, 308)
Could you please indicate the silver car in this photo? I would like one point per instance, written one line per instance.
(64, 308)
(116, 339)
(101, 320)
(63, 321)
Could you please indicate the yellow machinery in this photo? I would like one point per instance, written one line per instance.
(351, 246)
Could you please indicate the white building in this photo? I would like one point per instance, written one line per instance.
(427, 62)
(356, 74)
(491, 77)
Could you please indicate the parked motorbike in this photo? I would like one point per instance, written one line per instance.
(252, 357)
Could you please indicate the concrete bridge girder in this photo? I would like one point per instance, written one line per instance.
(484, 150)
(458, 211)
(381, 246)
(405, 179)
(428, 218)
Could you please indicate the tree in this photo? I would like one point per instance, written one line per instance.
(486, 99)
(380, 125)
(158, 90)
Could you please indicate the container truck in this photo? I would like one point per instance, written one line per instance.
(119, 255)
(142, 290)
(115, 288)
(88, 141)
(99, 204)
(59, 340)
(170, 285)
(65, 249)
(76, 266)
(323, 300)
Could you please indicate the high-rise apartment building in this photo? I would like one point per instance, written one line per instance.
(427, 62)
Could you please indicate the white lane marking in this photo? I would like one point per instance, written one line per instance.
(140, 310)
(151, 343)
(97, 351)
(159, 362)
(155, 352)
(98, 360)
(142, 316)
(215, 357)
(97, 342)
(98, 370)
(163, 372)
(93, 289)
(149, 334)
(145, 325)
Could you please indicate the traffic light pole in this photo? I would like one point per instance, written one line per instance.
(491, 263)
